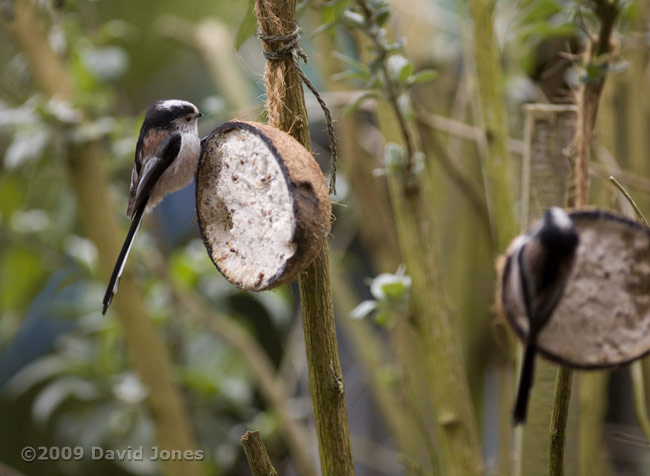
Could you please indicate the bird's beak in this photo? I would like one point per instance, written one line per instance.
(200, 114)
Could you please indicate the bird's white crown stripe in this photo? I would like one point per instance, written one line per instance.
(173, 103)
(561, 218)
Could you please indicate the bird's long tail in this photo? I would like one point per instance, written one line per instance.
(121, 259)
(525, 384)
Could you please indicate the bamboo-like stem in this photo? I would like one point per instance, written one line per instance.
(638, 384)
(89, 185)
(592, 399)
(429, 321)
(558, 421)
(430, 317)
(471, 190)
(256, 454)
(636, 120)
(286, 111)
(456, 426)
(498, 173)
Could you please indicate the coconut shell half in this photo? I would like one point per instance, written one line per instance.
(262, 203)
(603, 319)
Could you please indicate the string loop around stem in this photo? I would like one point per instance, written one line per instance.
(287, 48)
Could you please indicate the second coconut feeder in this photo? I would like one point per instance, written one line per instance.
(603, 319)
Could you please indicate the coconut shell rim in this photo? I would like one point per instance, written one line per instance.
(576, 215)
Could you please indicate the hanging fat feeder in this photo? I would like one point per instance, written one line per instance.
(262, 203)
(603, 319)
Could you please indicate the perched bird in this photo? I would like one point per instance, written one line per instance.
(537, 271)
(166, 158)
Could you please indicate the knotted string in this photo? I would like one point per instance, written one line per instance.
(290, 50)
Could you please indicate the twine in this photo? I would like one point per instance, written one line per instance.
(288, 49)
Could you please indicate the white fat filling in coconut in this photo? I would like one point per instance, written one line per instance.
(251, 222)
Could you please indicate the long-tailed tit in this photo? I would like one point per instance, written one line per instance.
(537, 271)
(166, 157)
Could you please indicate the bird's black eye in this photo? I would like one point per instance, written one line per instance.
(188, 119)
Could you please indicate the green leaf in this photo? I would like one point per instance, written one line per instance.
(406, 73)
(248, 25)
(321, 29)
(351, 74)
(333, 10)
(358, 65)
(383, 318)
(538, 11)
(390, 287)
(394, 290)
(354, 19)
(362, 97)
(423, 76)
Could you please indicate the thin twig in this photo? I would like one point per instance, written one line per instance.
(393, 100)
(629, 198)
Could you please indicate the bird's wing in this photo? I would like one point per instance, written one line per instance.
(155, 166)
(149, 143)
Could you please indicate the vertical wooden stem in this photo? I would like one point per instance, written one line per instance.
(286, 111)
(498, 169)
(558, 421)
(588, 101)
